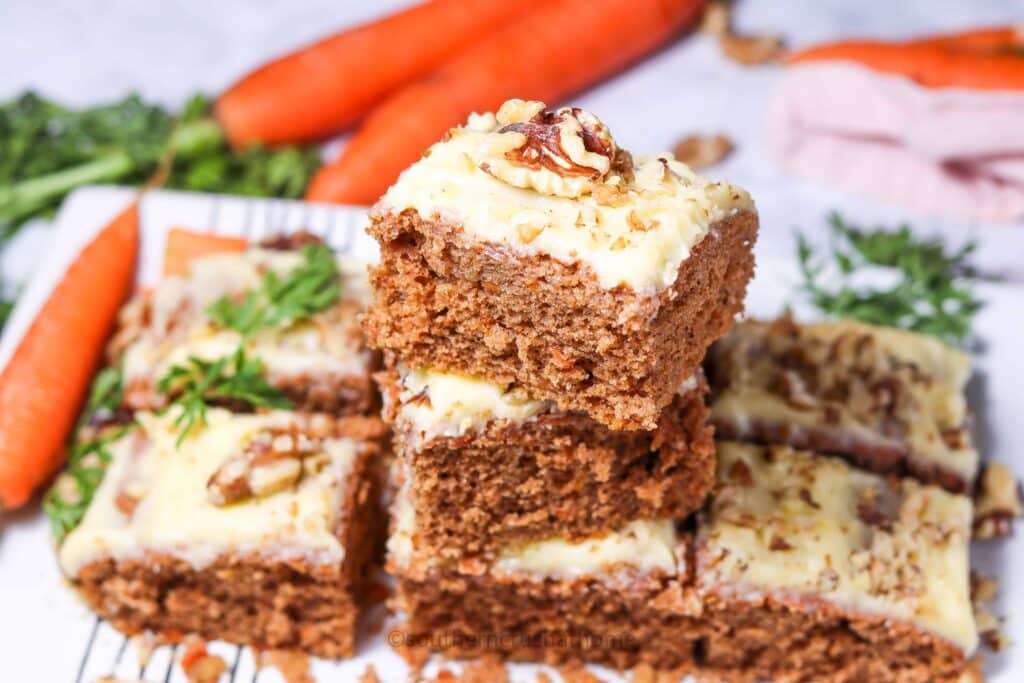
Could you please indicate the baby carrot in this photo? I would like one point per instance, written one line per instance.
(184, 245)
(43, 385)
(326, 87)
(544, 55)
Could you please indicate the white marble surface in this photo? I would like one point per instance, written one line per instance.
(85, 51)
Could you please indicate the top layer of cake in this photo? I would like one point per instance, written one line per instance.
(270, 484)
(176, 324)
(878, 385)
(554, 182)
(793, 525)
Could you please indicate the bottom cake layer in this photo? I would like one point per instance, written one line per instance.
(799, 569)
(256, 529)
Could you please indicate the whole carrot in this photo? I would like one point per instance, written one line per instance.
(990, 39)
(545, 55)
(931, 65)
(328, 86)
(43, 385)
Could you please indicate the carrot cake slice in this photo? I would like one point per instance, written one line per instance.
(290, 303)
(256, 529)
(887, 399)
(618, 599)
(490, 466)
(801, 568)
(810, 570)
(528, 248)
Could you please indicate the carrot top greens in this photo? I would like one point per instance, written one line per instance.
(929, 290)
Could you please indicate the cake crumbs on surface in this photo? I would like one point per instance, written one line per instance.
(369, 675)
(997, 502)
(292, 664)
(145, 644)
(488, 669)
(577, 673)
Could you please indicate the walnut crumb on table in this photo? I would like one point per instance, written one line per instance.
(700, 151)
(743, 49)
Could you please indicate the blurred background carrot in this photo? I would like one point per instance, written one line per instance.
(531, 58)
(326, 87)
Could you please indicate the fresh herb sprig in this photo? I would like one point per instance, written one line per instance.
(47, 150)
(930, 294)
(199, 383)
(302, 292)
(89, 454)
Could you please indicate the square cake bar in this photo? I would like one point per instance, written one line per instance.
(801, 568)
(889, 400)
(527, 248)
(257, 530)
(810, 570)
(320, 363)
(489, 467)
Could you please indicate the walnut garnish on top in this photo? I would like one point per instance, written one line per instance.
(564, 152)
(272, 461)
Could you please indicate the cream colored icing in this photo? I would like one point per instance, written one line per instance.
(434, 403)
(938, 399)
(790, 523)
(630, 231)
(643, 545)
(174, 515)
(179, 327)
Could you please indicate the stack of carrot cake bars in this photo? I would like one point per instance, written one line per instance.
(225, 480)
(544, 302)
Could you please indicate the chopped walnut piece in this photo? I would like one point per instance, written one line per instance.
(780, 544)
(490, 669)
(758, 49)
(997, 502)
(560, 152)
(273, 461)
(740, 473)
(699, 151)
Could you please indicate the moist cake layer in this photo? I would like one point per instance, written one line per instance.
(263, 485)
(488, 467)
(556, 183)
(893, 401)
(321, 362)
(790, 525)
(802, 569)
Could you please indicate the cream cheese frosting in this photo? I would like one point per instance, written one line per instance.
(869, 384)
(171, 511)
(555, 183)
(642, 545)
(434, 403)
(179, 328)
(792, 524)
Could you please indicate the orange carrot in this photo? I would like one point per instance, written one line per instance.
(329, 85)
(931, 65)
(545, 55)
(43, 385)
(184, 245)
(993, 39)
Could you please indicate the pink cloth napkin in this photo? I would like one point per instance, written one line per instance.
(952, 152)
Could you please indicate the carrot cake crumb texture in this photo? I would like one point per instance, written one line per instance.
(890, 400)
(555, 182)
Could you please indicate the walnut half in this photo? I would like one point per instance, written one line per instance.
(562, 152)
(272, 462)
